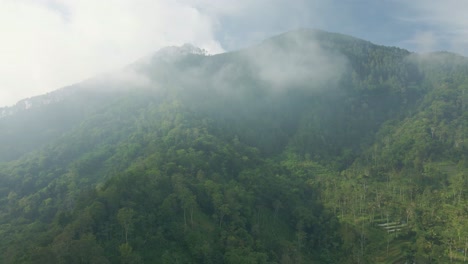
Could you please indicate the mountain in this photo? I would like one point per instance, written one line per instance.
(310, 147)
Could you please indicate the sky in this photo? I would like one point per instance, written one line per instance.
(49, 44)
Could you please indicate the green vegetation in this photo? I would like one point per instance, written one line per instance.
(214, 162)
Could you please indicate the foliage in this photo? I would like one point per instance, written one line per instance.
(369, 168)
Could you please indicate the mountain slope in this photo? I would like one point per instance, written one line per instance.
(292, 151)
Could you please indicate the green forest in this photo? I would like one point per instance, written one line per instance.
(310, 147)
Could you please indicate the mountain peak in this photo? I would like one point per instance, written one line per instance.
(181, 50)
(169, 53)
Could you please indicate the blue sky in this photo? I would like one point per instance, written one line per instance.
(48, 44)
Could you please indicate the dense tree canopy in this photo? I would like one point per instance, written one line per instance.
(212, 162)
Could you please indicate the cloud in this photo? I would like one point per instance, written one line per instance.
(245, 22)
(444, 24)
(297, 60)
(122, 79)
(291, 61)
(48, 44)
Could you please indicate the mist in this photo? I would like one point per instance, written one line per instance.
(296, 60)
(293, 61)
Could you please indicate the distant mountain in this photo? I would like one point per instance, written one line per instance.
(310, 147)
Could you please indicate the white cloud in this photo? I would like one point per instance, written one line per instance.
(48, 44)
(445, 23)
(302, 61)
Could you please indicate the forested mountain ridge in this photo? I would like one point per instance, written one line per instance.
(311, 147)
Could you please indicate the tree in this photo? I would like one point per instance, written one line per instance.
(125, 218)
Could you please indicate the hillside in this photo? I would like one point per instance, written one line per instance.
(310, 147)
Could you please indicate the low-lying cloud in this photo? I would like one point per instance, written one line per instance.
(292, 61)
(48, 44)
(299, 62)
